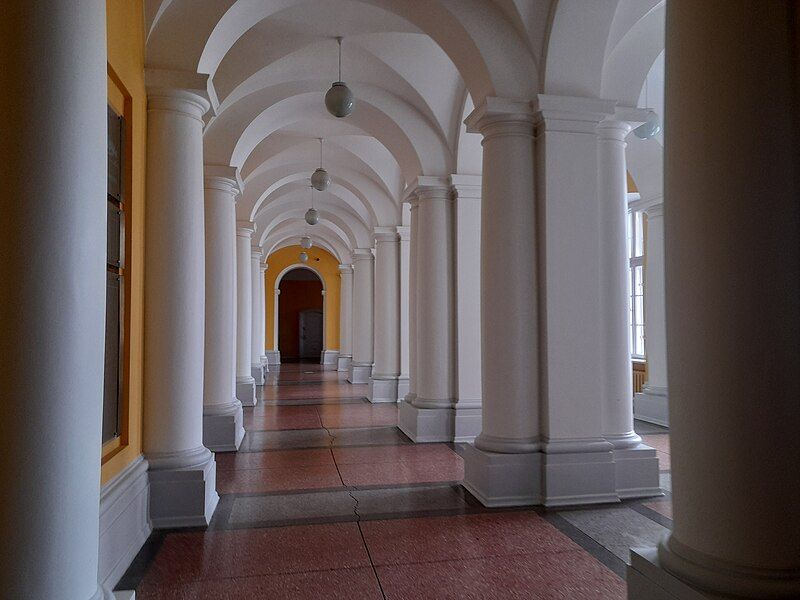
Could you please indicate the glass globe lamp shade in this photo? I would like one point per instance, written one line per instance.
(320, 180)
(303, 257)
(305, 242)
(649, 129)
(339, 100)
(312, 216)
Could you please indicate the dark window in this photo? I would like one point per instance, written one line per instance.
(115, 279)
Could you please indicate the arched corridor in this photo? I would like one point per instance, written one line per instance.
(400, 299)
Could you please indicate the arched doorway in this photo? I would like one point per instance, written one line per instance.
(300, 316)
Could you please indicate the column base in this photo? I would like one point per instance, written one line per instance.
(246, 391)
(564, 473)
(382, 389)
(579, 471)
(182, 488)
(273, 357)
(264, 362)
(257, 373)
(454, 424)
(222, 427)
(652, 405)
(329, 358)
(359, 372)
(637, 472)
(503, 479)
(403, 385)
(343, 363)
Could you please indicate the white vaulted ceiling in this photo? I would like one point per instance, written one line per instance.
(416, 67)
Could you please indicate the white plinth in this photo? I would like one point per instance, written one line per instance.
(503, 479)
(652, 405)
(330, 358)
(455, 424)
(383, 389)
(359, 373)
(257, 373)
(273, 357)
(246, 391)
(222, 427)
(343, 363)
(637, 472)
(182, 489)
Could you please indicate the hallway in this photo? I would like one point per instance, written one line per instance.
(326, 498)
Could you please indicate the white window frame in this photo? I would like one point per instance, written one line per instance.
(635, 233)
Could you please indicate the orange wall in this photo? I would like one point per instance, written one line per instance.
(296, 296)
(126, 93)
(326, 265)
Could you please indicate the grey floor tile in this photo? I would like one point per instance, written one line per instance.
(291, 507)
(617, 529)
(665, 481)
(645, 428)
(409, 500)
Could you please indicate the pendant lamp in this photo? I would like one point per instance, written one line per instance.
(339, 99)
(320, 178)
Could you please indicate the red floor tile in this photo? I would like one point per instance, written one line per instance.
(566, 576)
(341, 584)
(272, 480)
(664, 462)
(380, 454)
(460, 537)
(399, 473)
(275, 459)
(659, 442)
(190, 557)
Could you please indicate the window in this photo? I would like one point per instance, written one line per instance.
(636, 256)
(115, 274)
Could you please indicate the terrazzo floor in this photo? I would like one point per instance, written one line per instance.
(328, 499)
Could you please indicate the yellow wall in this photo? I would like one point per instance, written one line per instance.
(327, 266)
(126, 94)
(632, 189)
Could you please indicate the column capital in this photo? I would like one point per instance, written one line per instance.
(385, 235)
(363, 254)
(221, 178)
(181, 92)
(466, 187)
(345, 269)
(501, 116)
(264, 266)
(256, 252)
(245, 228)
(427, 188)
(404, 232)
(571, 114)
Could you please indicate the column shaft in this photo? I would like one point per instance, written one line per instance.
(413, 355)
(363, 303)
(222, 411)
(262, 330)
(384, 380)
(651, 404)
(732, 234)
(405, 314)
(257, 317)
(345, 317)
(617, 389)
(245, 383)
(52, 243)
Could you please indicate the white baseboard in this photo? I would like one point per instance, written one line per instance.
(329, 358)
(124, 521)
(652, 405)
(273, 357)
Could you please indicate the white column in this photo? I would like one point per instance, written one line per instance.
(504, 465)
(52, 299)
(651, 404)
(257, 316)
(345, 318)
(467, 296)
(363, 306)
(732, 233)
(384, 380)
(412, 306)
(222, 411)
(430, 417)
(615, 290)
(405, 279)
(245, 382)
(262, 330)
(182, 469)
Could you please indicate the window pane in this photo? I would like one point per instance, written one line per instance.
(112, 362)
(639, 235)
